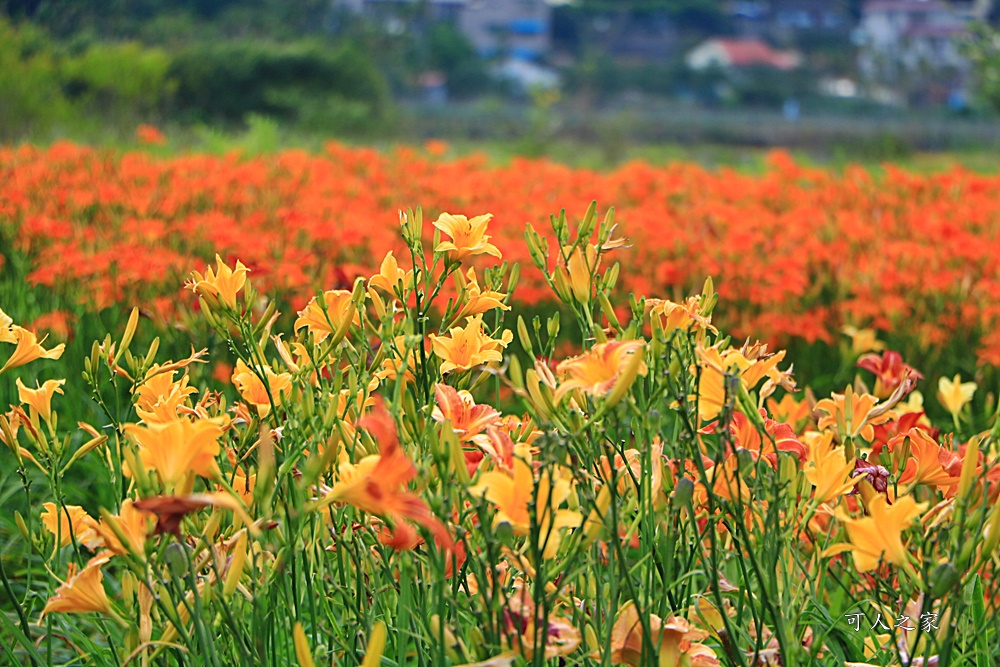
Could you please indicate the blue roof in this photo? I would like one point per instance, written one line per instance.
(528, 26)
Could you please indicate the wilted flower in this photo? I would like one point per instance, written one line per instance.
(674, 642)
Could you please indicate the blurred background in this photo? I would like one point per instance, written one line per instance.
(588, 81)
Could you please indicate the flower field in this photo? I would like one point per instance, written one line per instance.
(316, 426)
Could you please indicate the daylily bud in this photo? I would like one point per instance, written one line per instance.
(525, 338)
(376, 645)
(303, 654)
(992, 533)
(634, 366)
(595, 521)
(236, 566)
(22, 527)
(608, 310)
(133, 322)
(969, 465)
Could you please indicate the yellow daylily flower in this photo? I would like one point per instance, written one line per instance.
(223, 284)
(340, 310)
(513, 496)
(954, 394)
(389, 275)
(828, 469)
(39, 400)
(252, 388)
(477, 301)
(29, 349)
(602, 368)
(879, 535)
(83, 591)
(863, 340)
(70, 522)
(174, 449)
(468, 237)
(6, 328)
(159, 398)
(464, 348)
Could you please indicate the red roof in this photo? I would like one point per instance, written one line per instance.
(750, 52)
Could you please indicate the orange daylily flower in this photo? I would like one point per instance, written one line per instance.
(460, 409)
(39, 400)
(468, 237)
(790, 411)
(29, 349)
(377, 484)
(462, 349)
(83, 591)
(179, 447)
(879, 535)
(747, 437)
(675, 642)
(668, 316)
(77, 525)
(222, 285)
(603, 368)
(340, 310)
(929, 463)
(252, 388)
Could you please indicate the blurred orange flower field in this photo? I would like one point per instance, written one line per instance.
(798, 252)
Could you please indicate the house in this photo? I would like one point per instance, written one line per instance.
(913, 46)
(788, 20)
(739, 53)
(519, 29)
